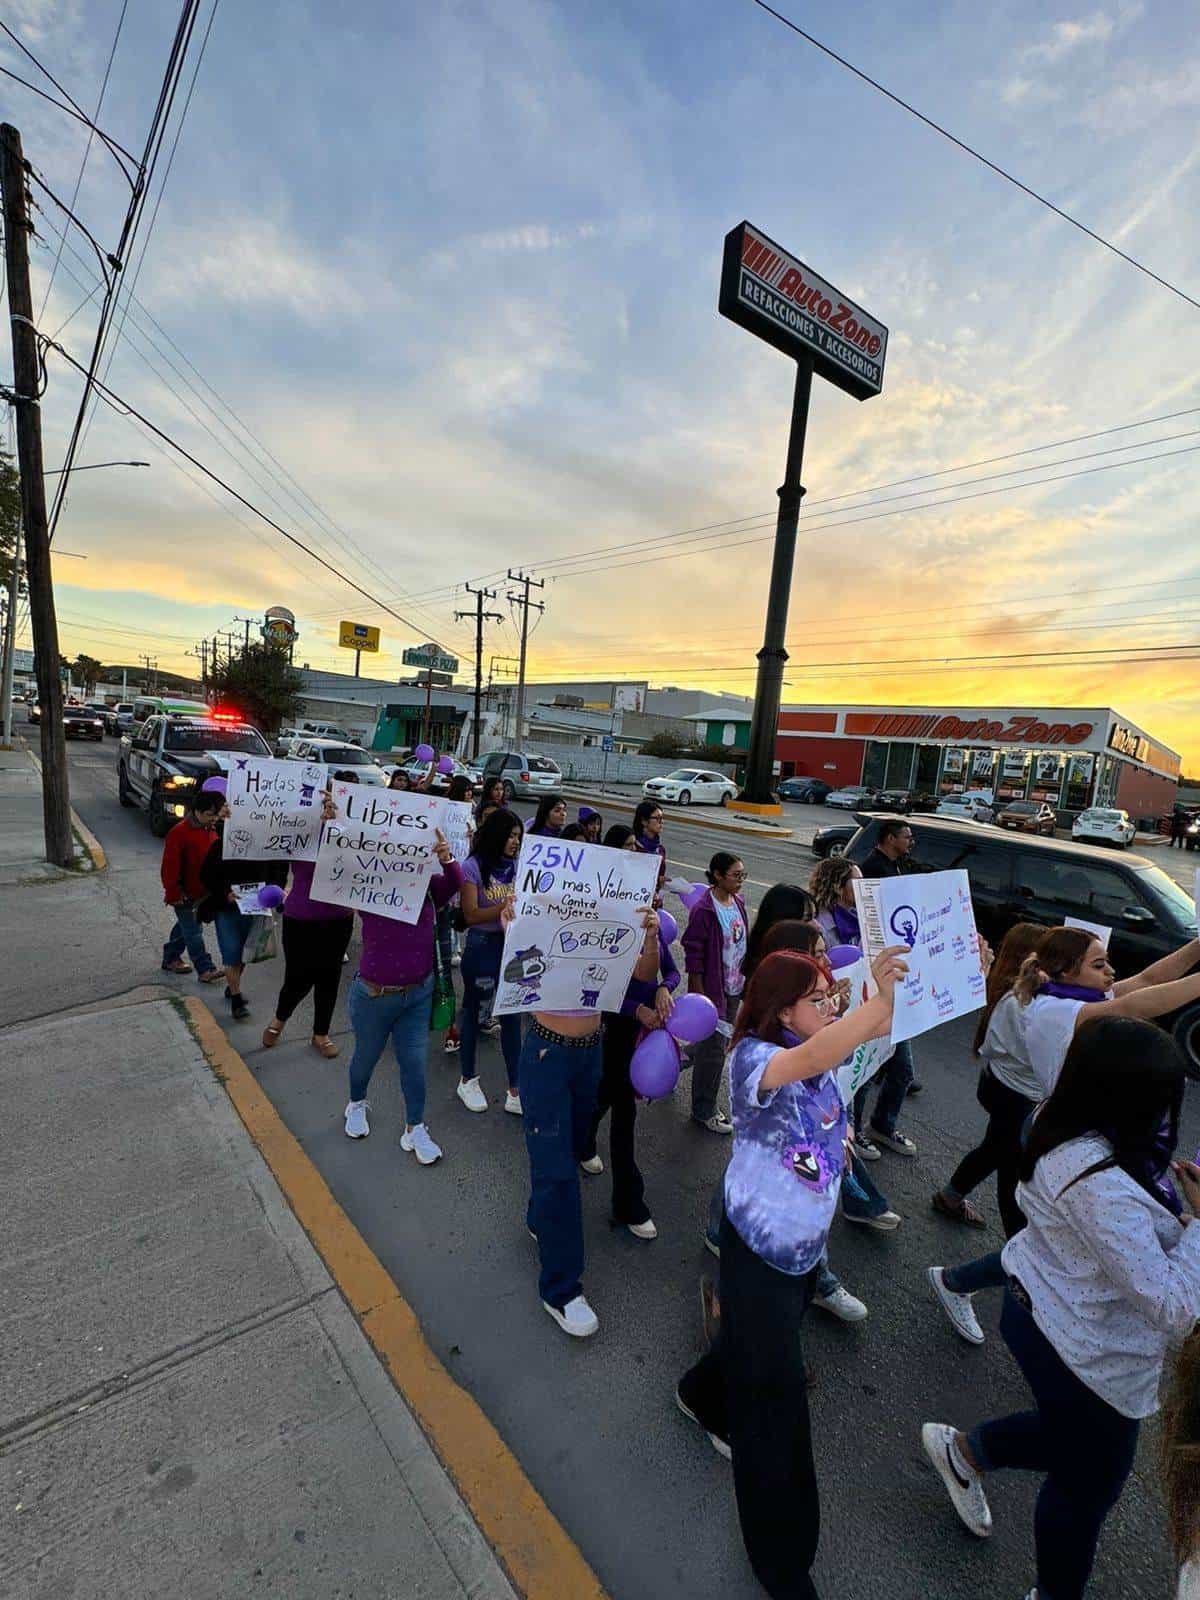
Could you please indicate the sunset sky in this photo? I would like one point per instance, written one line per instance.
(456, 267)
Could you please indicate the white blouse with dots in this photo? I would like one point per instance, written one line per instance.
(1114, 1278)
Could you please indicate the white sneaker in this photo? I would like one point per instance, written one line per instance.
(512, 1104)
(643, 1230)
(957, 1307)
(841, 1304)
(717, 1123)
(356, 1120)
(576, 1318)
(419, 1142)
(594, 1165)
(471, 1095)
(963, 1484)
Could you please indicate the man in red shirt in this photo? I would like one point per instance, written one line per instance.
(184, 850)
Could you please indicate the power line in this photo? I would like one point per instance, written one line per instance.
(977, 155)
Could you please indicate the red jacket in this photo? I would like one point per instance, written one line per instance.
(184, 850)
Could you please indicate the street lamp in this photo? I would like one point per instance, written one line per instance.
(93, 466)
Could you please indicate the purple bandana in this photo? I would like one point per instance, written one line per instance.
(1073, 991)
(846, 923)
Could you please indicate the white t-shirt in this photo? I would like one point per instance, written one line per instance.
(733, 944)
(1006, 1052)
(1049, 1023)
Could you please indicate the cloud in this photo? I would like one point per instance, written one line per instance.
(1065, 38)
(248, 261)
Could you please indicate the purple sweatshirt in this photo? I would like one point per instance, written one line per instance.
(399, 953)
(703, 947)
(642, 993)
(300, 903)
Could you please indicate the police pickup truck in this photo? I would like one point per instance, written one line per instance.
(165, 756)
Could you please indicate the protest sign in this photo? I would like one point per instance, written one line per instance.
(872, 1053)
(378, 854)
(246, 895)
(1096, 930)
(931, 913)
(458, 827)
(577, 932)
(274, 809)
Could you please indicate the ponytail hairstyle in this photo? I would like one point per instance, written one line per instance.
(1059, 954)
(1181, 1452)
(778, 982)
(1022, 940)
(720, 864)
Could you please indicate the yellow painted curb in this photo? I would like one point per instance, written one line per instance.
(90, 842)
(755, 808)
(542, 1561)
(685, 815)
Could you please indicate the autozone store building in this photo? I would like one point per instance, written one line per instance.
(1071, 757)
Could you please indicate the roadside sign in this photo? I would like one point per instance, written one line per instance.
(357, 636)
(435, 680)
(430, 657)
(774, 295)
(606, 743)
(22, 660)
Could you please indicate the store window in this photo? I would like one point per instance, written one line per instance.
(899, 766)
(1079, 782)
(954, 771)
(1014, 775)
(1047, 776)
(982, 767)
(928, 757)
(875, 765)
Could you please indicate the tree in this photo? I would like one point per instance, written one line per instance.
(261, 684)
(666, 746)
(87, 671)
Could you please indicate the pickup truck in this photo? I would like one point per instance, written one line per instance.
(168, 755)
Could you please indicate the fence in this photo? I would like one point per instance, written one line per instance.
(588, 762)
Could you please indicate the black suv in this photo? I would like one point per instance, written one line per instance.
(1021, 878)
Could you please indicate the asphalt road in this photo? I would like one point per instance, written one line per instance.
(593, 1423)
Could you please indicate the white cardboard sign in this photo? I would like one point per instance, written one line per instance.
(577, 932)
(458, 827)
(274, 809)
(866, 1061)
(930, 912)
(246, 895)
(1096, 929)
(378, 854)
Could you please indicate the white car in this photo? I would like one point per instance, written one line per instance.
(691, 786)
(965, 808)
(338, 757)
(1104, 825)
(852, 798)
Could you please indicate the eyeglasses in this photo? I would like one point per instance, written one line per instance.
(736, 877)
(826, 1004)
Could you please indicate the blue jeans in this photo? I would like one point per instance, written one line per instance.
(187, 934)
(1083, 1447)
(233, 928)
(402, 1018)
(480, 974)
(558, 1096)
(894, 1077)
(860, 1197)
(987, 1272)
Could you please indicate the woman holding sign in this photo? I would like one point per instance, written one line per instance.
(222, 880)
(749, 1392)
(488, 874)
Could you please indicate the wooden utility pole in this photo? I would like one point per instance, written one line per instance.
(526, 605)
(480, 617)
(56, 797)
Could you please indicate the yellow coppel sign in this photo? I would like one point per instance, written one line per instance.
(357, 636)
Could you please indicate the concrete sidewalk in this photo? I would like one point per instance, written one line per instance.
(22, 840)
(190, 1408)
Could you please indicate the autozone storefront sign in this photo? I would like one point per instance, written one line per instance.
(772, 294)
(1020, 728)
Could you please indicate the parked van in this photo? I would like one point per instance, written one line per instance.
(156, 705)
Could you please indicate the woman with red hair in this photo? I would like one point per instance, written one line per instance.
(781, 1189)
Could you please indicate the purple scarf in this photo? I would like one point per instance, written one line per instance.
(545, 832)
(846, 923)
(1073, 991)
(503, 872)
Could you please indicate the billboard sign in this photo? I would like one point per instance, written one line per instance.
(279, 625)
(430, 658)
(357, 636)
(772, 294)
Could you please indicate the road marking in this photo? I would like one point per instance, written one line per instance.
(541, 1559)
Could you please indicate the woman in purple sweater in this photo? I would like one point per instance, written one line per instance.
(391, 999)
(714, 943)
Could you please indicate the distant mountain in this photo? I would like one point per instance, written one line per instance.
(138, 677)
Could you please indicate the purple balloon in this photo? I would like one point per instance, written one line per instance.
(692, 895)
(270, 896)
(693, 1017)
(843, 955)
(654, 1066)
(668, 928)
(215, 785)
(424, 752)
(446, 764)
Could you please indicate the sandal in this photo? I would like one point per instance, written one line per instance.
(272, 1035)
(213, 975)
(176, 966)
(963, 1212)
(325, 1047)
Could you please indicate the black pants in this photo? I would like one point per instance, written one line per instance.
(312, 956)
(999, 1150)
(616, 1096)
(750, 1388)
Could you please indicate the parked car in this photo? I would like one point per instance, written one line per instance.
(1104, 825)
(439, 782)
(82, 722)
(165, 756)
(691, 786)
(336, 754)
(522, 774)
(1029, 816)
(965, 808)
(118, 718)
(899, 801)
(1017, 877)
(808, 791)
(853, 798)
(833, 841)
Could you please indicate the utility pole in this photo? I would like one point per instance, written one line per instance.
(246, 645)
(56, 798)
(214, 653)
(150, 663)
(481, 616)
(12, 601)
(526, 605)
